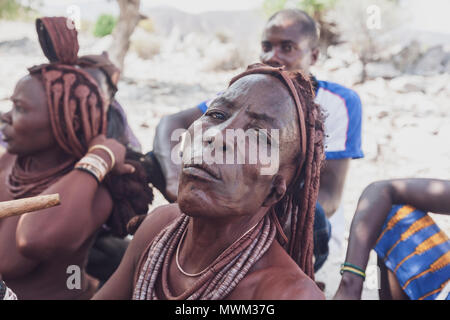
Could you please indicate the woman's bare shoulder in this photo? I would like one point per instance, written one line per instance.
(155, 221)
(280, 278)
(6, 158)
(160, 217)
(281, 284)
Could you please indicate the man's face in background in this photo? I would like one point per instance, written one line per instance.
(284, 44)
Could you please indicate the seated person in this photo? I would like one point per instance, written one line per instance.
(290, 38)
(56, 143)
(413, 253)
(219, 241)
(107, 250)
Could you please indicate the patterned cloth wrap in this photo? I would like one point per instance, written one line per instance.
(416, 251)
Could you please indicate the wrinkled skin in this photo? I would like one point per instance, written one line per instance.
(241, 189)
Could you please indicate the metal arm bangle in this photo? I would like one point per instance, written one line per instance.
(107, 150)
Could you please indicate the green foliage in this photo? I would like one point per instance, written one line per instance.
(9, 9)
(147, 25)
(105, 25)
(272, 6)
(12, 9)
(312, 7)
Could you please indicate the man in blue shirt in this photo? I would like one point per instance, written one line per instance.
(290, 38)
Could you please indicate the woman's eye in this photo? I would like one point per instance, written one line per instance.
(266, 47)
(216, 115)
(18, 108)
(287, 47)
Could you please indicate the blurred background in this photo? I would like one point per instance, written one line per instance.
(175, 54)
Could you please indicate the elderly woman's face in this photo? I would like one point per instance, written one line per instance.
(252, 103)
(26, 127)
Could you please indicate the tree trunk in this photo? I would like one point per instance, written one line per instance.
(128, 20)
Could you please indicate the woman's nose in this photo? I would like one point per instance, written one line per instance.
(5, 117)
(216, 138)
(272, 59)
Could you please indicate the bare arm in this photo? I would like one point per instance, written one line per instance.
(332, 180)
(62, 230)
(85, 206)
(121, 284)
(429, 195)
(163, 146)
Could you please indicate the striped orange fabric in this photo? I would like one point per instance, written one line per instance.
(442, 262)
(431, 242)
(403, 212)
(420, 224)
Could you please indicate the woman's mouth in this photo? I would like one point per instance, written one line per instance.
(201, 171)
(4, 137)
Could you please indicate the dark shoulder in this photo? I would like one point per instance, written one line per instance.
(280, 278)
(281, 284)
(159, 218)
(155, 221)
(6, 158)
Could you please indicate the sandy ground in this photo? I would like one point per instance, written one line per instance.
(405, 125)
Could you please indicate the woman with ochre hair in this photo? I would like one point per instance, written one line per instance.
(236, 233)
(56, 143)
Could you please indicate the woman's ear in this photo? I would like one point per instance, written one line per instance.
(277, 191)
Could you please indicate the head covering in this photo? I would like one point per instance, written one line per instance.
(75, 101)
(58, 46)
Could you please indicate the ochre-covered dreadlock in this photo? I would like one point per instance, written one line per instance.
(295, 211)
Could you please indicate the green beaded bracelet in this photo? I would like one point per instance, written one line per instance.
(347, 264)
